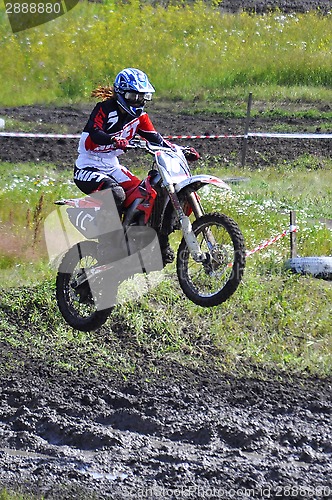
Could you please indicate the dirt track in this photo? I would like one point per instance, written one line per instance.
(285, 6)
(182, 432)
(260, 151)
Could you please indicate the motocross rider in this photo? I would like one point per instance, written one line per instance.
(112, 124)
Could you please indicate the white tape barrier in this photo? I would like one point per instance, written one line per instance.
(290, 136)
(222, 136)
(45, 136)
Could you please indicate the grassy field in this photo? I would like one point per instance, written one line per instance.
(190, 51)
(271, 321)
(207, 58)
(6, 495)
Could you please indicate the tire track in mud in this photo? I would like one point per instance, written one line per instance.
(76, 437)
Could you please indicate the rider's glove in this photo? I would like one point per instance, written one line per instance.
(120, 143)
(191, 154)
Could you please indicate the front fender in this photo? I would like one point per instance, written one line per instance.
(195, 182)
(198, 181)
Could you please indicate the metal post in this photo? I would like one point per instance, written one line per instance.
(246, 131)
(293, 249)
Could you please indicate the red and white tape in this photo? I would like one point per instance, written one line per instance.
(77, 136)
(223, 136)
(291, 229)
(220, 136)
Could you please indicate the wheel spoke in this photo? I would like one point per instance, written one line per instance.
(213, 281)
(75, 300)
(209, 279)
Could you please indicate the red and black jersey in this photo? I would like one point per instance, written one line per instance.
(107, 121)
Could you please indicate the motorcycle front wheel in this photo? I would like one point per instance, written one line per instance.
(213, 281)
(73, 293)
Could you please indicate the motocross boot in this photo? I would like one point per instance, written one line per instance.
(167, 252)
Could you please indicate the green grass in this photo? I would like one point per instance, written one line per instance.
(41, 127)
(191, 52)
(199, 59)
(262, 205)
(271, 321)
(25, 201)
(10, 495)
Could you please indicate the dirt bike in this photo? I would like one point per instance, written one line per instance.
(210, 258)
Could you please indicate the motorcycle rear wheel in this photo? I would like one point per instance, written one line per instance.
(76, 303)
(210, 283)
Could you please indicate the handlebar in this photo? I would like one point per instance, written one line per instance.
(150, 147)
(137, 144)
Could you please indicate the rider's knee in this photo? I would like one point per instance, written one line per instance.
(111, 194)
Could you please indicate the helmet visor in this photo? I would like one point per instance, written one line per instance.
(137, 98)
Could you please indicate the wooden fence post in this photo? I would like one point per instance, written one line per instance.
(293, 249)
(246, 130)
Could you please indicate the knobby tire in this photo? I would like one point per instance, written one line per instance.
(70, 261)
(232, 274)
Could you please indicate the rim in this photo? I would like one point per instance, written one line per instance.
(208, 279)
(79, 298)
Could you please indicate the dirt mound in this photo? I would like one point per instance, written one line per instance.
(288, 6)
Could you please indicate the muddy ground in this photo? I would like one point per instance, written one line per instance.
(166, 431)
(284, 6)
(180, 433)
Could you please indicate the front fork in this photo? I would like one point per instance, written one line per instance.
(185, 224)
(199, 212)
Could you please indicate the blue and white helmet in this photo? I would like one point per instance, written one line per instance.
(133, 89)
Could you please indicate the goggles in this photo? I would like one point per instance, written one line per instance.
(137, 97)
